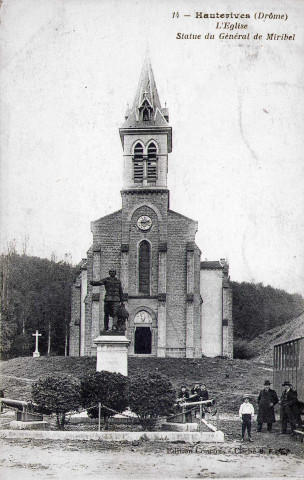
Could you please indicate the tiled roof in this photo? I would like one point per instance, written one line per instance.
(113, 214)
(133, 120)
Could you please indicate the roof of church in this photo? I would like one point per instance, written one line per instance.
(146, 95)
(181, 215)
(213, 265)
(105, 217)
(82, 265)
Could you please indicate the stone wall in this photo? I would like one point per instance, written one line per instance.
(211, 292)
(181, 233)
(103, 256)
(217, 321)
(74, 338)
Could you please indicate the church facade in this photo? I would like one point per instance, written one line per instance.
(178, 306)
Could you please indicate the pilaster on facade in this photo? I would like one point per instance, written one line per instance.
(96, 293)
(162, 292)
(76, 298)
(227, 322)
(124, 272)
(190, 300)
(124, 267)
(84, 286)
(161, 330)
(162, 269)
(74, 346)
(230, 325)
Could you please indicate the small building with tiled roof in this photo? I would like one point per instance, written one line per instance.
(178, 306)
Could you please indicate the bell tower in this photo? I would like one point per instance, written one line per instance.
(146, 138)
(153, 250)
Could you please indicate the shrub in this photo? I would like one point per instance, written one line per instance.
(242, 350)
(110, 389)
(57, 395)
(151, 396)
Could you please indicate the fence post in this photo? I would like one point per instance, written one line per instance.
(99, 415)
(217, 419)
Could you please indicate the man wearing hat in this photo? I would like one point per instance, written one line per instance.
(289, 408)
(183, 396)
(195, 393)
(267, 399)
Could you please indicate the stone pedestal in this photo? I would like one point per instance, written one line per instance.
(112, 352)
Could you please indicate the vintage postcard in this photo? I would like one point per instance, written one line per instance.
(159, 147)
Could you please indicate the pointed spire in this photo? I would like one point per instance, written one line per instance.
(146, 109)
(146, 89)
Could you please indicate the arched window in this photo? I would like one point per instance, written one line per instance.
(138, 164)
(152, 163)
(144, 268)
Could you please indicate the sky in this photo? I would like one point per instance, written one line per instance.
(69, 69)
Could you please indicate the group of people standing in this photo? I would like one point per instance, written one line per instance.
(267, 399)
(197, 393)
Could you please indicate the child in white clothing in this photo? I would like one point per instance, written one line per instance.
(246, 413)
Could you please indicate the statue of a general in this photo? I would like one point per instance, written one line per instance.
(113, 298)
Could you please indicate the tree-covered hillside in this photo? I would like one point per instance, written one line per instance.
(257, 308)
(35, 294)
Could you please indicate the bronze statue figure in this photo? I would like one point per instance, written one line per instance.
(113, 301)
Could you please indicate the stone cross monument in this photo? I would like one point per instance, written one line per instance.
(36, 352)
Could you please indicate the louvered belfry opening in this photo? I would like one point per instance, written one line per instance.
(146, 115)
(138, 163)
(152, 170)
(144, 268)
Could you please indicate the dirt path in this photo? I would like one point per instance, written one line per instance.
(47, 459)
(21, 379)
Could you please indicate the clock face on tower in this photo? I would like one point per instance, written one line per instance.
(144, 222)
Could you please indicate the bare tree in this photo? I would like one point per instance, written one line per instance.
(25, 243)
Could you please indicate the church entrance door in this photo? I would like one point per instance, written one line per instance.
(143, 337)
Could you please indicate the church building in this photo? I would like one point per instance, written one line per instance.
(179, 306)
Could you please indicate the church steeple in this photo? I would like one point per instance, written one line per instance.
(146, 136)
(146, 110)
(146, 92)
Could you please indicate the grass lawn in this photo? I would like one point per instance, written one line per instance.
(226, 380)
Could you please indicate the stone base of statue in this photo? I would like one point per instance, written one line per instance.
(112, 352)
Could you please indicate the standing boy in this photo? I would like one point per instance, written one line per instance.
(246, 413)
